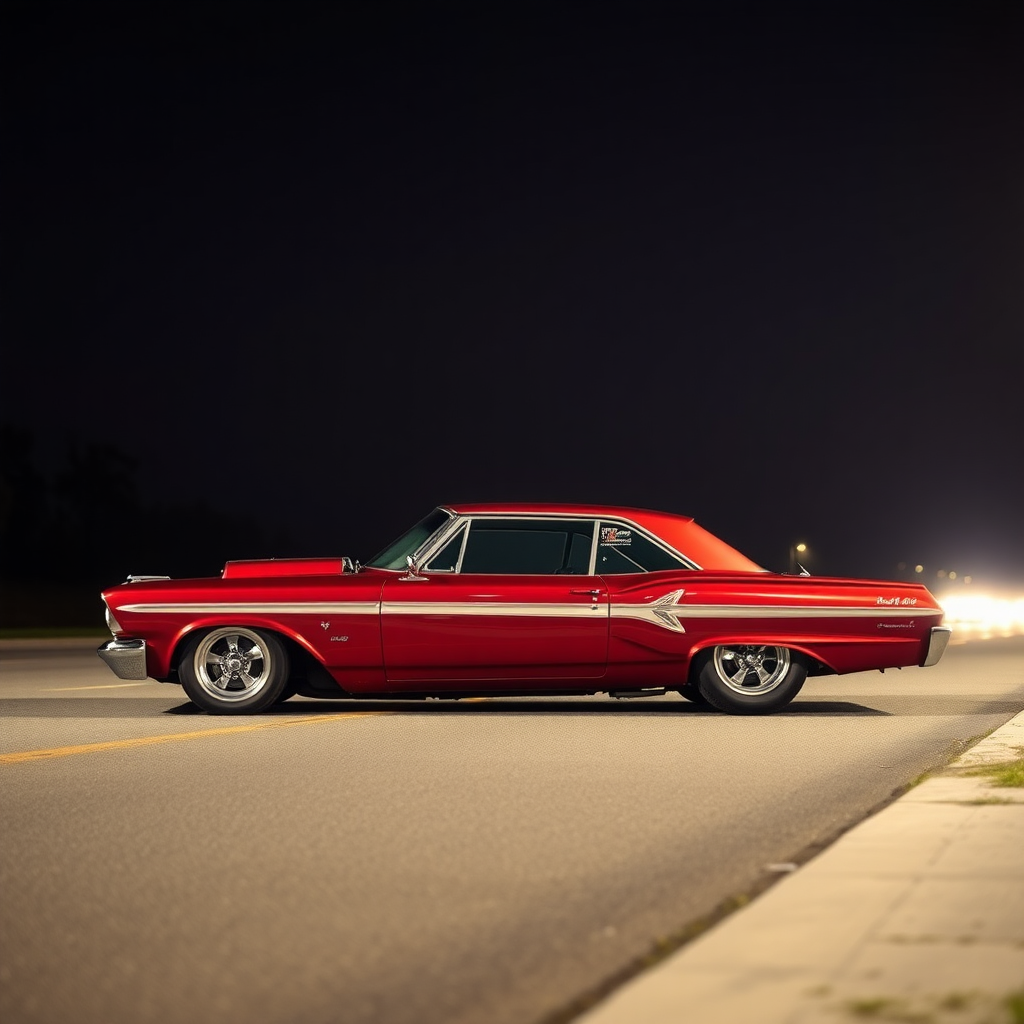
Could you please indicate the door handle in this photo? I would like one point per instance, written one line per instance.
(592, 593)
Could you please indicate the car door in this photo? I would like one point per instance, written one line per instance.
(507, 599)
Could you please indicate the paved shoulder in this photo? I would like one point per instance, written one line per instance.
(917, 913)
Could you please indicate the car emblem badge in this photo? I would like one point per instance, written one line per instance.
(667, 611)
(325, 625)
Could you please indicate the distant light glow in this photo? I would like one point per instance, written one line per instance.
(981, 615)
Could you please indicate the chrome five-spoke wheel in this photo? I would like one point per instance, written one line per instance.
(233, 669)
(750, 679)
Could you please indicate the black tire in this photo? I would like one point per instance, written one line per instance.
(750, 679)
(290, 689)
(233, 670)
(692, 693)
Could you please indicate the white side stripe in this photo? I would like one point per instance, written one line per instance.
(665, 612)
(561, 611)
(257, 608)
(671, 616)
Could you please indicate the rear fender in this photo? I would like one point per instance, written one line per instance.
(820, 662)
(834, 655)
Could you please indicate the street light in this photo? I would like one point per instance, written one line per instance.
(799, 549)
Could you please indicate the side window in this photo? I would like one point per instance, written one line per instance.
(447, 559)
(527, 546)
(578, 563)
(622, 549)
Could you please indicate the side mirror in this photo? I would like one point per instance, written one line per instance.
(413, 573)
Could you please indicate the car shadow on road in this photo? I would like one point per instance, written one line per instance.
(85, 707)
(150, 707)
(534, 707)
(898, 705)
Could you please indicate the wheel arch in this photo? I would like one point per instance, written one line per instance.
(816, 665)
(300, 652)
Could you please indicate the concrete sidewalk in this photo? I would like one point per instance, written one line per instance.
(916, 914)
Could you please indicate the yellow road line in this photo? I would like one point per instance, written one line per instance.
(146, 741)
(102, 686)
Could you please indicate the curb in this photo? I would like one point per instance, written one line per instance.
(915, 914)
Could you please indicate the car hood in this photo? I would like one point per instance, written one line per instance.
(265, 568)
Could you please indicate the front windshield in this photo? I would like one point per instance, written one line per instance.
(395, 554)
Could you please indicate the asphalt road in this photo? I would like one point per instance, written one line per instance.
(415, 863)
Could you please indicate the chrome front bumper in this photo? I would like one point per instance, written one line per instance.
(126, 658)
(937, 644)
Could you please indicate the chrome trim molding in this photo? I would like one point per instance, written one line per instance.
(792, 611)
(937, 645)
(666, 611)
(584, 609)
(257, 608)
(126, 658)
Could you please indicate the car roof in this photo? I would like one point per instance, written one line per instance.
(554, 508)
(691, 540)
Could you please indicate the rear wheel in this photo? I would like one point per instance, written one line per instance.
(290, 689)
(233, 670)
(750, 679)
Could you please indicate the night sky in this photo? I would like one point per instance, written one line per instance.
(334, 264)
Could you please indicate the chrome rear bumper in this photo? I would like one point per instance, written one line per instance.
(937, 644)
(125, 658)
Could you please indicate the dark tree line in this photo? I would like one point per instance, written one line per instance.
(82, 523)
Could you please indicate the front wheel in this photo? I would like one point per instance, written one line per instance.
(750, 679)
(692, 693)
(233, 670)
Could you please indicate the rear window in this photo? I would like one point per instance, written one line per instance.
(623, 549)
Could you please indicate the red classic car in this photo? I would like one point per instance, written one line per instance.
(517, 600)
